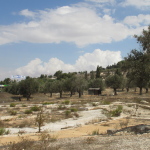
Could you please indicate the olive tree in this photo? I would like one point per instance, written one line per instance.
(114, 81)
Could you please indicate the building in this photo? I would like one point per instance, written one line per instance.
(94, 91)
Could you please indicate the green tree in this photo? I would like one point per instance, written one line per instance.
(114, 81)
(144, 40)
(59, 86)
(49, 87)
(70, 85)
(92, 76)
(28, 87)
(81, 85)
(98, 71)
(139, 64)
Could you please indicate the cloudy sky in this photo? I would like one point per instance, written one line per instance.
(42, 37)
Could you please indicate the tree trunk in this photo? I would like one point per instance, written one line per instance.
(28, 97)
(115, 91)
(39, 128)
(80, 93)
(127, 89)
(135, 90)
(60, 94)
(140, 90)
(51, 94)
(71, 92)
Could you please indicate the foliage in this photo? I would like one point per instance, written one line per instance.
(98, 71)
(143, 39)
(35, 108)
(13, 112)
(66, 102)
(80, 84)
(95, 132)
(4, 131)
(97, 83)
(139, 72)
(12, 105)
(73, 109)
(28, 87)
(116, 112)
(40, 119)
(28, 111)
(67, 113)
(59, 86)
(114, 81)
(61, 107)
(70, 85)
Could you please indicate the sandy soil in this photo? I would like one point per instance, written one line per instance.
(76, 132)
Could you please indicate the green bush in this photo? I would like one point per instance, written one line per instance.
(106, 102)
(95, 132)
(28, 111)
(67, 113)
(73, 109)
(94, 104)
(12, 105)
(61, 107)
(23, 105)
(116, 112)
(4, 131)
(66, 102)
(35, 108)
(13, 112)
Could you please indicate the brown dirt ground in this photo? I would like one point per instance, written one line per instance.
(76, 132)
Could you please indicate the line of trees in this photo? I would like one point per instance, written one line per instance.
(132, 72)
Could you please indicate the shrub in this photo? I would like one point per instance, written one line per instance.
(61, 107)
(106, 102)
(2, 131)
(13, 112)
(12, 105)
(66, 102)
(95, 132)
(116, 112)
(28, 111)
(67, 113)
(94, 104)
(40, 119)
(23, 105)
(1, 123)
(35, 108)
(73, 109)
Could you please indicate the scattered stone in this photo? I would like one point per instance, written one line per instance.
(82, 109)
(111, 131)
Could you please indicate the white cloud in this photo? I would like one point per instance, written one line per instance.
(102, 1)
(79, 25)
(137, 20)
(88, 61)
(140, 4)
(27, 13)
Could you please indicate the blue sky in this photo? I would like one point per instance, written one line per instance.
(42, 37)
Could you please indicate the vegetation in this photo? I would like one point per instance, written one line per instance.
(133, 71)
(12, 105)
(40, 119)
(116, 112)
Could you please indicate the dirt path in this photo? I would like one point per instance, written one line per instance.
(76, 132)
